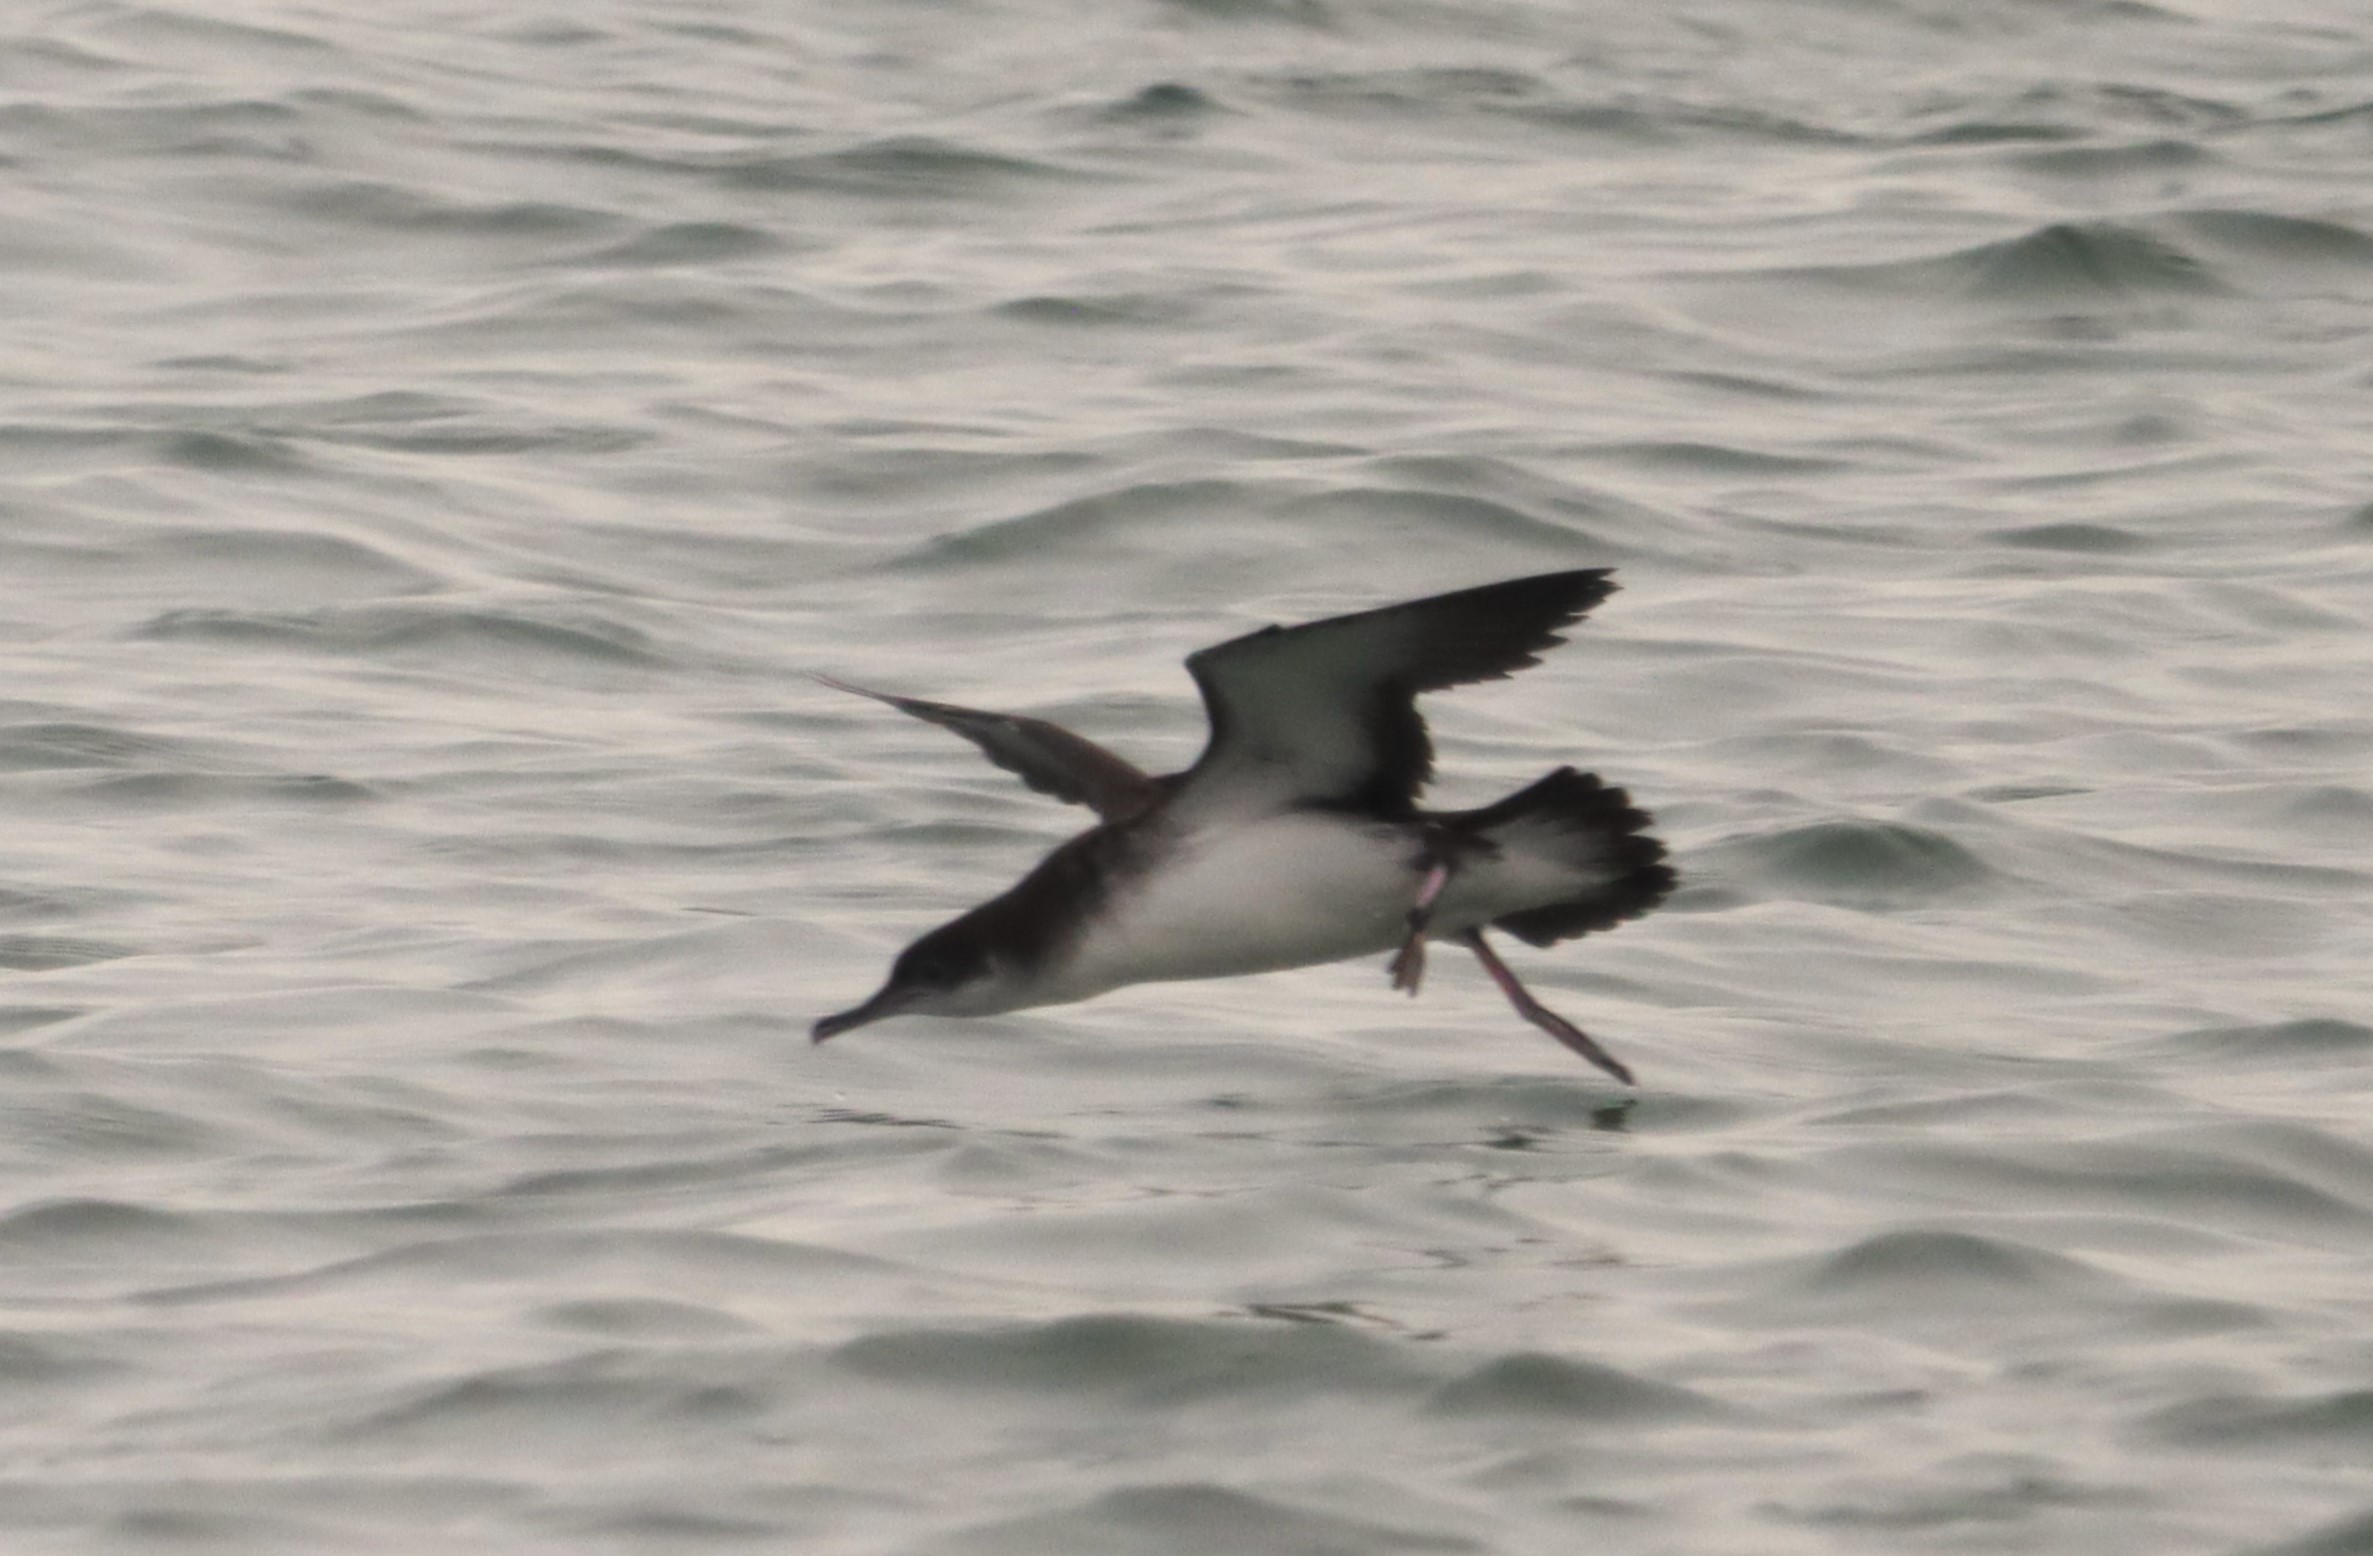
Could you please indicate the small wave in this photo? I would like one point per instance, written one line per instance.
(28, 1361)
(246, 128)
(1719, 459)
(598, 1394)
(2334, 808)
(1428, 91)
(1996, 132)
(643, 1318)
(2350, 1536)
(57, 440)
(26, 1018)
(2067, 265)
(1142, 513)
(1475, 473)
(1165, 102)
(1994, 1491)
(182, 789)
(49, 953)
(622, 1182)
(2074, 261)
(404, 421)
(362, 102)
(2254, 1181)
(397, 208)
(2260, 1424)
(194, 36)
(277, 565)
(2269, 237)
(2072, 111)
(645, 1524)
(1667, 119)
(1156, 1358)
(1864, 863)
(2092, 539)
(1962, 1285)
(232, 453)
(460, 634)
(899, 167)
(490, 438)
(686, 243)
(2344, 114)
(1904, 1265)
(1531, 1383)
(69, 746)
(1197, 1516)
(2113, 161)
(1206, 444)
(1379, 512)
(1523, 102)
(1299, 13)
(1099, 309)
(105, 1230)
(640, 1273)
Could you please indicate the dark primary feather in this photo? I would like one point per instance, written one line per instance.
(1325, 713)
(1046, 756)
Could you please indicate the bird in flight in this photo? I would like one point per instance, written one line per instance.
(1296, 837)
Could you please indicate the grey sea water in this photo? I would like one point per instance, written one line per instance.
(435, 439)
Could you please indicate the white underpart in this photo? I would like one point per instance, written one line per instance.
(1289, 890)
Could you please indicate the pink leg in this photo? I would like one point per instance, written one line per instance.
(1408, 963)
(1541, 1015)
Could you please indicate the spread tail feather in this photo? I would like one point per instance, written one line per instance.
(1573, 818)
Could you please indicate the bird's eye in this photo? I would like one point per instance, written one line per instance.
(933, 971)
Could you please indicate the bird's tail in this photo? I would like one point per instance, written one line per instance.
(1576, 822)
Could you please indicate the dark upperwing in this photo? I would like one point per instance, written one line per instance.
(1326, 714)
(1047, 757)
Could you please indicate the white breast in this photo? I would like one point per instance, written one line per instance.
(1285, 891)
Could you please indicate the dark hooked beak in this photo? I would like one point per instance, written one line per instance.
(889, 1002)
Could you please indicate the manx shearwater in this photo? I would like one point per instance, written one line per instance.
(1296, 837)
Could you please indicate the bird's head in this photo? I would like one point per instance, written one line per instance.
(949, 972)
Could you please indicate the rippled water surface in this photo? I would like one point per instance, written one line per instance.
(434, 439)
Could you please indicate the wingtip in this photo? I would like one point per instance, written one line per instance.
(1590, 586)
(851, 687)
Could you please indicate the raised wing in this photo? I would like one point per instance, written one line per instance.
(1047, 757)
(1325, 713)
